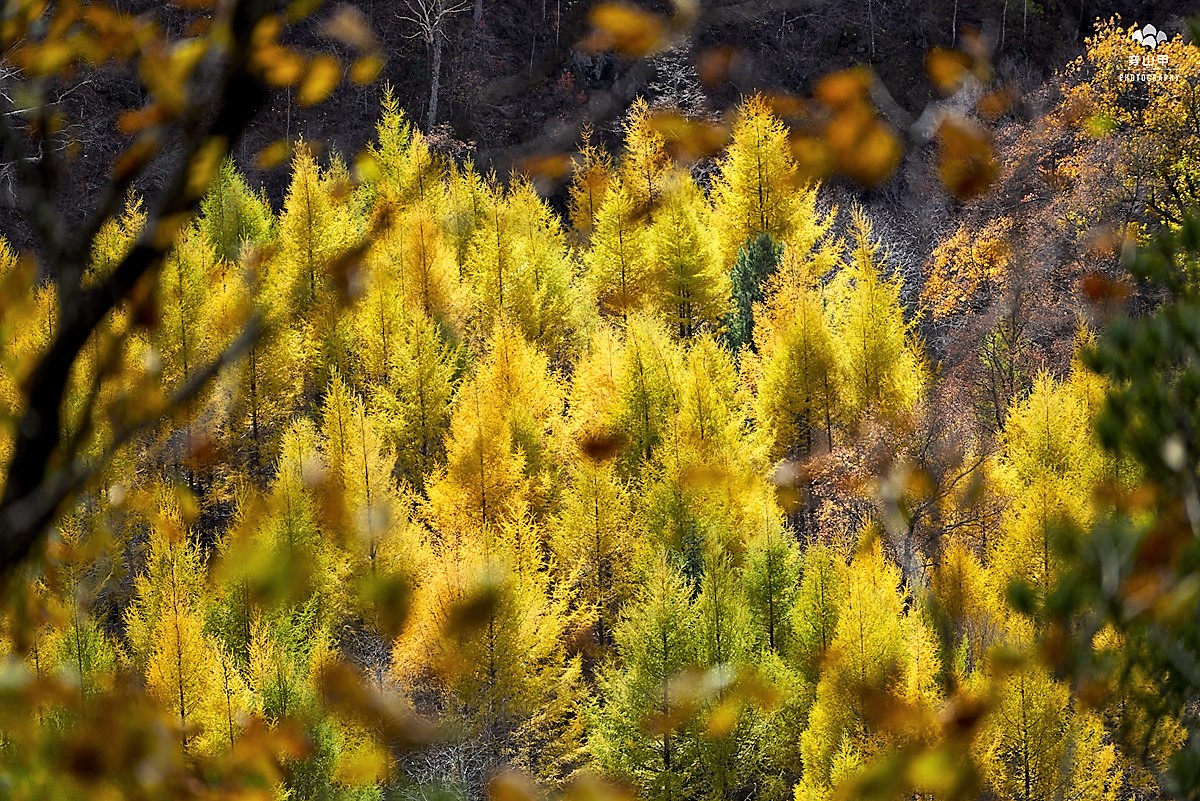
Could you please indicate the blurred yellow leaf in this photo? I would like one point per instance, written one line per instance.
(812, 156)
(688, 140)
(967, 163)
(324, 73)
(365, 763)
(723, 718)
(546, 165)
(713, 66)
(366, 69)
(366, 167)
(589, 787)
(996, 103)
(842, 88)
(43, 59)
(625, 29)
(135, 157)
(511, 786)
(133, 120)
(205, 164)
(349, 26)
(947, 68)
(280, 66)
(273, 154)
(299, 9)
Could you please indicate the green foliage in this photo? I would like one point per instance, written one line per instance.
(232, 216)
(756, 261)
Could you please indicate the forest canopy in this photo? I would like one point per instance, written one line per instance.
(689, 482)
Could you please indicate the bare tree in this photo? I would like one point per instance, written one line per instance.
(10, 171)
(429, 18)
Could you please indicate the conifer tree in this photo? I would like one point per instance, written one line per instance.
(881, 368)
(589, 184)
(383, 547)
(165, 626)
(484, 477)
(798, 381)
(756, 261)
(116, 236)
(645, 163)
(411, 263)
(647, 390)
(1034, 745)
(486, 632)
(594, 544)
(232, 216)
(867, 654)
(968, 610)
(72, 640)
(1049, 463)
(757, 190)
(415, 401)
(636, 734)
(466, 209)
(724, 645)
(618, 268)
(409, 171)
(313, 228)
(517, 267)
(818, 605)
(30, 311)
(690, 285)
(499, 450)
(542, 303)
(316, 225)
(772, 580)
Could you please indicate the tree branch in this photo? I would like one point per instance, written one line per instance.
(32, 493)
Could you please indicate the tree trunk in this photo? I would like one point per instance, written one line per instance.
(435, 78)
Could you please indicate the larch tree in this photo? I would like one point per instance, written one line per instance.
(725, 646)
(796, 401)
(757, 189)
(647, 390)
(542, 299)
(594, 543)
(772, 580)
(415, 402)
(637, 734)
(1035, 744)
(72, 639)
(882, 369)
(408, 170)
(466, 208)
(165, 626)
(499, 449)
(486, 633)
(232, 217)
(818, 603)
(593, 170)
(645, 164)
(1049, 462)
(867, 655)
(619, 271)
(315, 226)
(691, 288)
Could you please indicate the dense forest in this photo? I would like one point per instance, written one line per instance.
(711, 477)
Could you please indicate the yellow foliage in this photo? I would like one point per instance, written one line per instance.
(967, 267)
